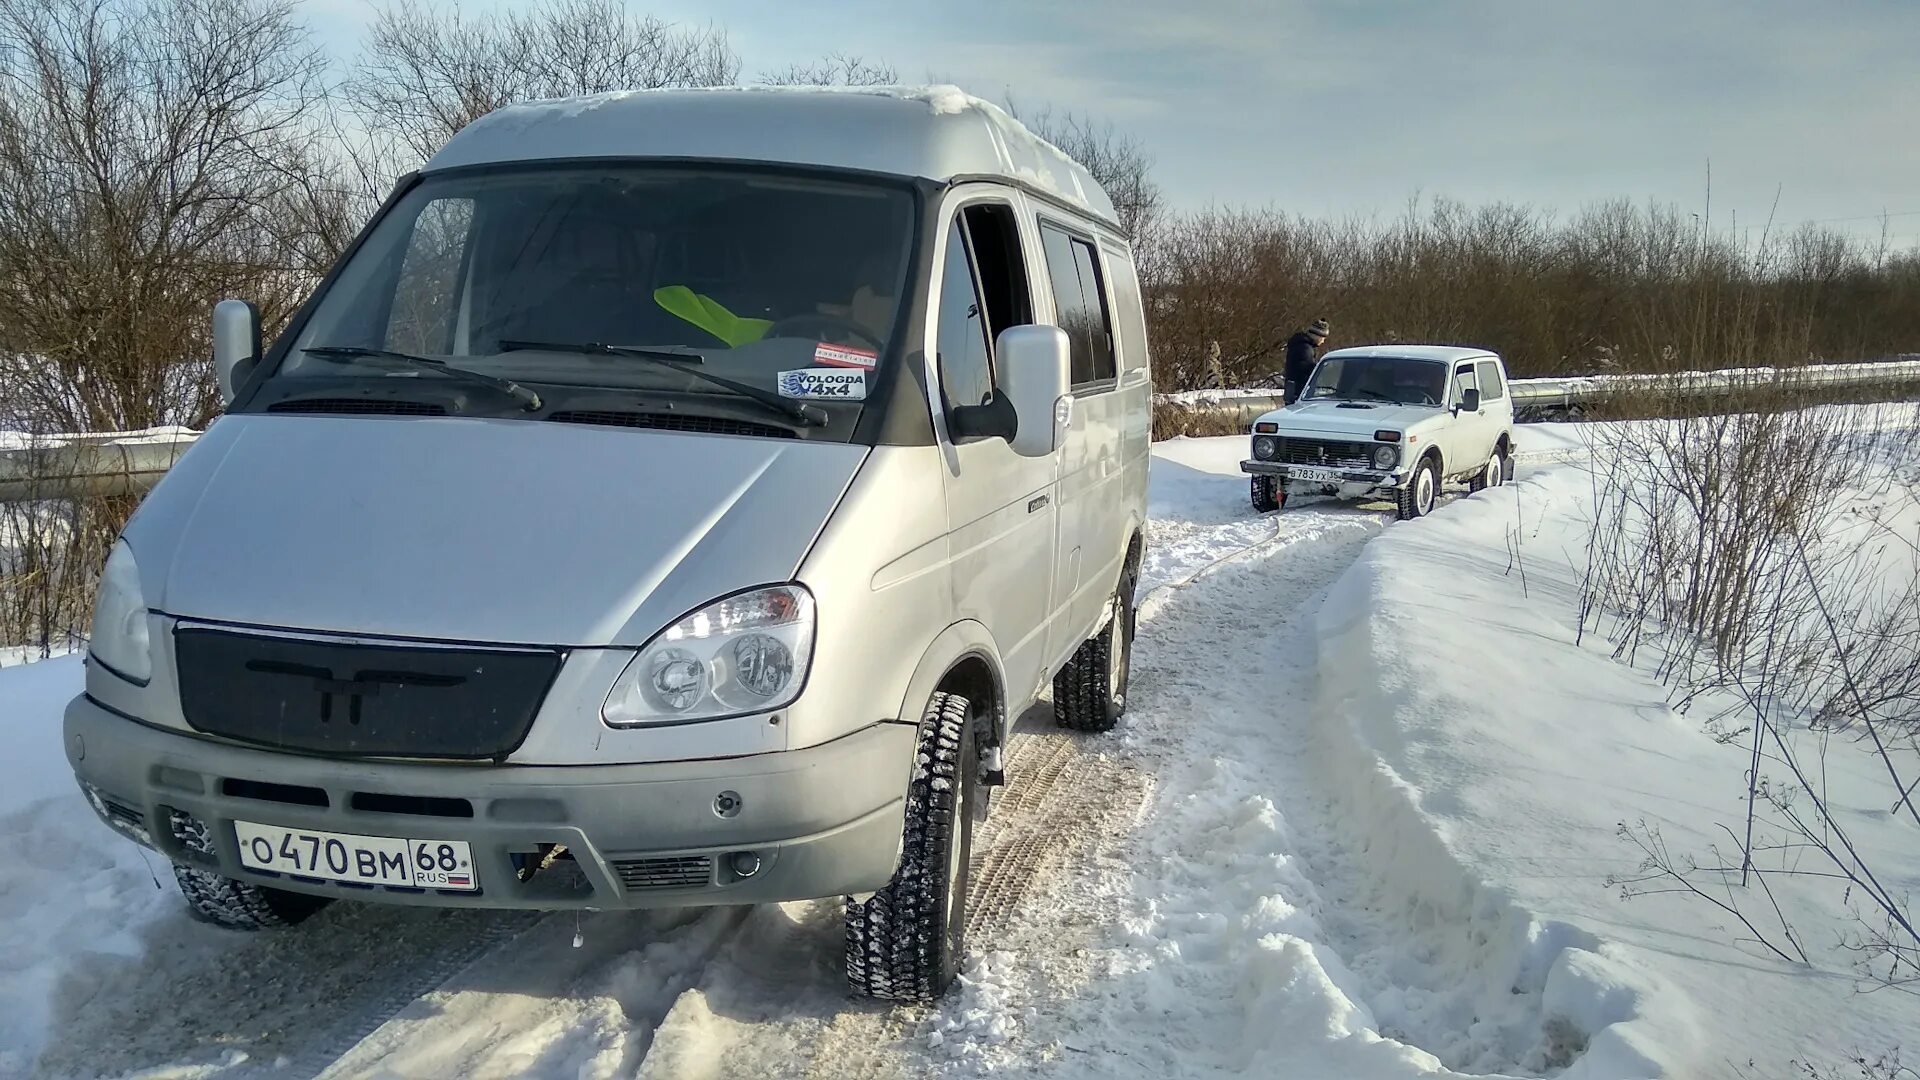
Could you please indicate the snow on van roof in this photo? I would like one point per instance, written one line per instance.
(936, 132)
(1442, 353)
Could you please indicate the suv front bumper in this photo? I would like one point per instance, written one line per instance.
(1391, 478)
(822, 821)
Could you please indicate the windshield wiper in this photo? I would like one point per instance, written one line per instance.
(805, 415)
(1383, 397)
(340, 354)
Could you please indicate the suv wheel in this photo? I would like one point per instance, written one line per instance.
(1422, 492)
(1492, 474)
(1090, 693)
(1269, 494)
(905, 942)
(241, 905)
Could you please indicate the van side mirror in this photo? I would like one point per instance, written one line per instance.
(236, 344)
(1032, 373)
(1469, 400)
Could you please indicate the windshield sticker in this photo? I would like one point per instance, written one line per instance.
(843, 356)
(828, 383)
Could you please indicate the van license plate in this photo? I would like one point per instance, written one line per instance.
(361, 860)
(1324, 476)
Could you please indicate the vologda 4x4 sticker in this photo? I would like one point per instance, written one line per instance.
(829, 384)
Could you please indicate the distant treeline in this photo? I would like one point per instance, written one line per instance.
(1614, 287)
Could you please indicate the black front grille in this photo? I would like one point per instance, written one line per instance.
(678, 872)
(364, 406)
(1322, 453)
(359, 699)
(703, 425)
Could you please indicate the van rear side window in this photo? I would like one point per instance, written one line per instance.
(1080, 299)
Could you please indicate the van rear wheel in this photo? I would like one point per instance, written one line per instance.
(240, 905)
(1090, 693)
(905, 942)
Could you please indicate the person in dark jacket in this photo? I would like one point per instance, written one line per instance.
(1303, 352)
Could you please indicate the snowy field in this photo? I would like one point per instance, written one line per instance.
(1357, 824)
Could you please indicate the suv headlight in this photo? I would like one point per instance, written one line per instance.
(746, 653)
(119, 638)
(1265, 447)
(1384, 456)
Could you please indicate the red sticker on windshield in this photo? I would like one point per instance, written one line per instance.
(843, 356)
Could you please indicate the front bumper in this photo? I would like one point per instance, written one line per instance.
(823, 821)
(1391, 478)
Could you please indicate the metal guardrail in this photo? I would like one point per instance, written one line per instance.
(73, 466)
(130, 463)
(1565, 394)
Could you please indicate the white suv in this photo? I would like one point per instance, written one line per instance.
(1388, 418)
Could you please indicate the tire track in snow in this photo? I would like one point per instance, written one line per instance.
(1063, 792)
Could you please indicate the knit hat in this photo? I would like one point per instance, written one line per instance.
(1319, 328)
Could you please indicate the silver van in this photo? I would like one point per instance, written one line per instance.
(671, 498)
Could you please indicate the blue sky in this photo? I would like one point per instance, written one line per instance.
(1353, 108)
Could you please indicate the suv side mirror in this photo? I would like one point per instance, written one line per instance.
(1033, 376)
(236, 344)
(1469, 400)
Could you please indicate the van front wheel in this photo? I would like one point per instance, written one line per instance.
(1090, 693)
(241, 905)
(905, 942)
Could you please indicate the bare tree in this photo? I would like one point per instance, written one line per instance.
(145, 149)
(428, 72)
(834, 69)
(1119, 161)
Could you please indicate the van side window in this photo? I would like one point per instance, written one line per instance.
(966, 376)
(1491, 387)
(1081, 301)
(1000, 265)
(1132, 338)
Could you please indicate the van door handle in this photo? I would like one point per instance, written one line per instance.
(1036, 504)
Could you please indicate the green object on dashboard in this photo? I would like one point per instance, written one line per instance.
(706, 313)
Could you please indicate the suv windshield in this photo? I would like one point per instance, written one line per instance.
(747, 275)
(1380, 378)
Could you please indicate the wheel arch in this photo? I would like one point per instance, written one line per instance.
(962, 659)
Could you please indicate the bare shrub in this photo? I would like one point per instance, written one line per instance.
(53, 543)
(1758, 556)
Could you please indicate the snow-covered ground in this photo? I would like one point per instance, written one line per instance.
(1356, 824)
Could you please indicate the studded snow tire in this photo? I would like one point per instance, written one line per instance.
(240, 905)
(905, 942)
(1090, 693)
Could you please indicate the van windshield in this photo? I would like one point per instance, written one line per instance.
(750, 276)
(1379, 378)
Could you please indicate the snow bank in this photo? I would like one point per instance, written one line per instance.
(74, 893)
(1492, 759)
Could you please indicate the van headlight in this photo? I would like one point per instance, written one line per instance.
(746, 653)
(119, 638)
